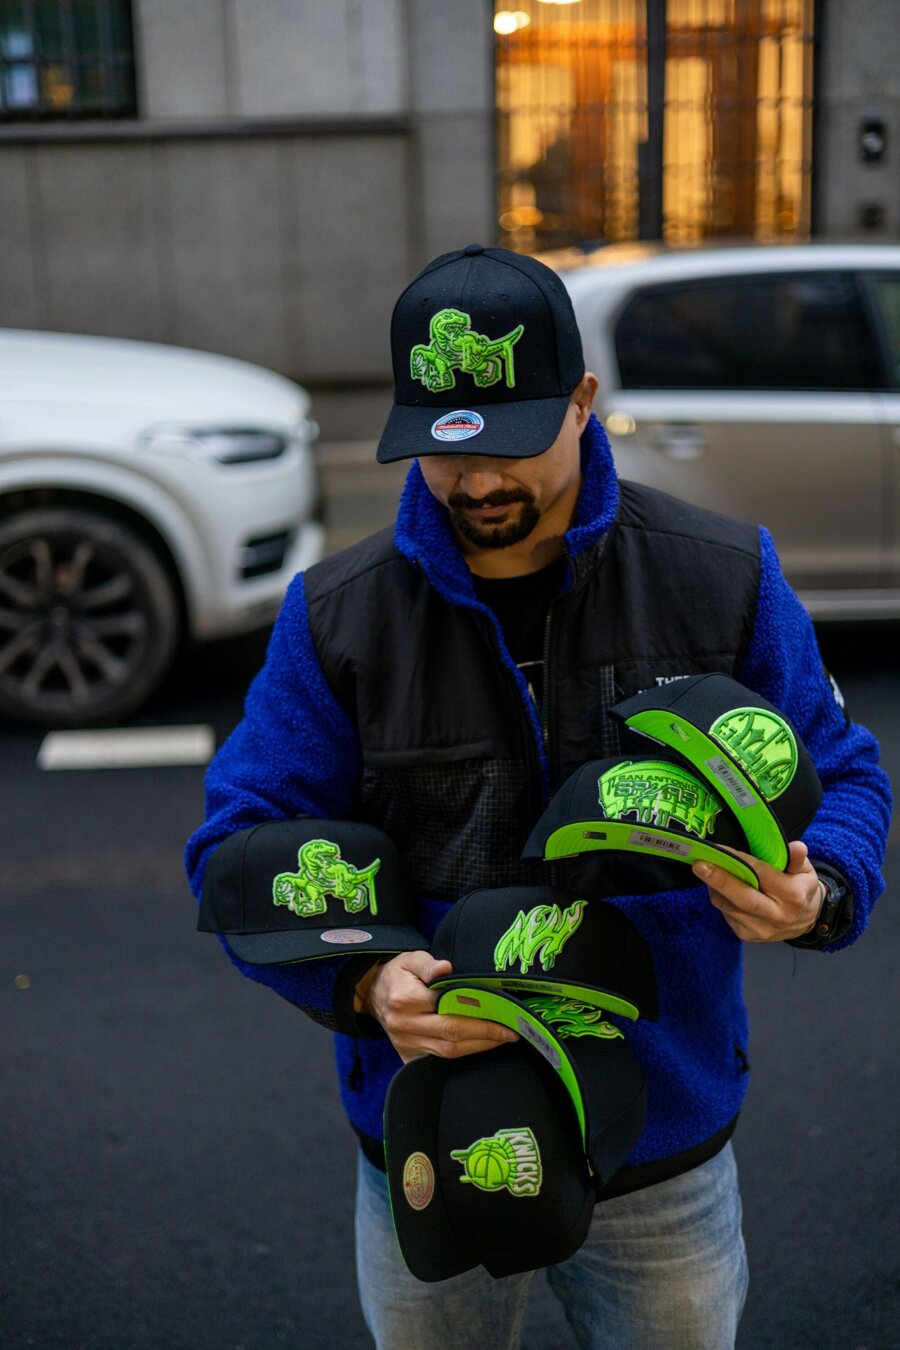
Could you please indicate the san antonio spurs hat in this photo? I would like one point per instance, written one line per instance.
(645, 806)
(486, 353)
(298, 890)
(540, 940)
(602, 1076)
(485, 1165)
(743, 747)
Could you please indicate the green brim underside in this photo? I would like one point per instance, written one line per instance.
(764, 836)
(473, 1001)
(625, 837)
(522, 986)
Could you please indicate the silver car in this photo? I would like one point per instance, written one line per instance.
(148, 495)
(763, 382)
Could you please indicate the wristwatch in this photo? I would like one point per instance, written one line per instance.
(835, 912)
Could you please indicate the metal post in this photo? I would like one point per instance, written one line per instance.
(650, 151)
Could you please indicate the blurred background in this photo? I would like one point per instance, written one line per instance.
(206, 214)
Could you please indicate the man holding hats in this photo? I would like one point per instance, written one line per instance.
(440, 681)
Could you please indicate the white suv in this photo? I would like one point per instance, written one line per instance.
(763, 382)
(147, 494)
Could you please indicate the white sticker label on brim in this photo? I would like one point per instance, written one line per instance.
(418, 1181)
(457, 426)
(721, 769)
(674, 847)
(339, 936)
(540, 1043)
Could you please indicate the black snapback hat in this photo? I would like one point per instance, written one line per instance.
(646, 806)
(539, 940)
(741, 744)
(484, 1165)
(298, 890)
(603, 1078)
(486, 353)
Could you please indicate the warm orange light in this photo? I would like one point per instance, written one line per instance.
(508, 21)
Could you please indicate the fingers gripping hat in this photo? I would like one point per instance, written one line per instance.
(298, 890)
(486, 353)
(646, 806)
(485, 1165)
(744, 747)
(605, 1081)
(539, 940)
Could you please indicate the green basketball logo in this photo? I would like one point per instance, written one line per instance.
(508, 1160)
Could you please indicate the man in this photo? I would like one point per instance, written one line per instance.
(441, 680)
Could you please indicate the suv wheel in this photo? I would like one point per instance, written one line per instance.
(88, 618)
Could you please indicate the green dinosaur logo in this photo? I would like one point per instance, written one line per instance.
(454, 346)
(763, 744)
(321, 872)
(509, 1159)
(568, 1017)
(656, 793)
(543, 931)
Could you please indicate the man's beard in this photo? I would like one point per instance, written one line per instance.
(486, 534)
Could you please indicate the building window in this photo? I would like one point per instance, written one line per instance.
(66, 58)
(724, 152)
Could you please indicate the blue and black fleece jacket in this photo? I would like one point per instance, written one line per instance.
(305, 748)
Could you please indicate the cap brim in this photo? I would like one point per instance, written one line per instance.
(523, 985)
(515, 430)
(313, 944)
(587, 836)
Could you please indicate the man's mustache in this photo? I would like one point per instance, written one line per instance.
(459, 501)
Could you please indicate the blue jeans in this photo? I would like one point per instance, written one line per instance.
(661, 1269)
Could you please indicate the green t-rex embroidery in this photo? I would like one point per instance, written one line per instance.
(543, 932)
(454, 346)
(656, 793)
(568, 1017)
(322, 872)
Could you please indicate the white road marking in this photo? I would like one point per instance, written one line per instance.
(128, 748)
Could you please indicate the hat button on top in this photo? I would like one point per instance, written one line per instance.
(472, 249)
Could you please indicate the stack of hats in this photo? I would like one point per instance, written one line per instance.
(732, 773)
(300, 890)
(495, 1159)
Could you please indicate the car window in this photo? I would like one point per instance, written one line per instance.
(886, 289)
(787, 331)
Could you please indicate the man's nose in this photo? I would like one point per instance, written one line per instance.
(478, 477)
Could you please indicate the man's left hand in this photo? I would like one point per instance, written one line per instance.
(785, 906)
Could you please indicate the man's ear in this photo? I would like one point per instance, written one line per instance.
(583, 396)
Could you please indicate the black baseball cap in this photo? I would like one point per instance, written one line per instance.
(601, 1074)
(541, 940)
(486, 353)
(299, 890)
(744, 747)
(646, 806)
(485, 1165)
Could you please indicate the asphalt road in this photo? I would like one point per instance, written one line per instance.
(175, 1170)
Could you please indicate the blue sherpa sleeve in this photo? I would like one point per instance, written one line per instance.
(295, 753)
(784, 664)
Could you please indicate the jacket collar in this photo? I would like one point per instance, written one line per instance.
(424, 536)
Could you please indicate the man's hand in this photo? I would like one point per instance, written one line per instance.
(396, 993)
(785, 906)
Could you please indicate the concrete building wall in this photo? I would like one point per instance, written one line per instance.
(859, 77)
(292, 166)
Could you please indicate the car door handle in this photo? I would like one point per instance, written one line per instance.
(678, 440)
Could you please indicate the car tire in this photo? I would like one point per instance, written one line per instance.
(88, 618)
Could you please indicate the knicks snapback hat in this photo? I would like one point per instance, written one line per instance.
(298, 890)
(604, 1080)
(486, 353)
(485, 1165)
(743, 747)
(645, 806)
(540, 940)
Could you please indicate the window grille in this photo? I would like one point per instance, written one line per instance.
(66, 58)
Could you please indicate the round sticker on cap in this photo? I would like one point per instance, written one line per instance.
(418, 1181)
(457, 426)
(345, 935)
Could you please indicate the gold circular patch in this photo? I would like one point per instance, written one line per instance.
(418, 1181)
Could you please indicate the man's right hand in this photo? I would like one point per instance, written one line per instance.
(396, 994)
